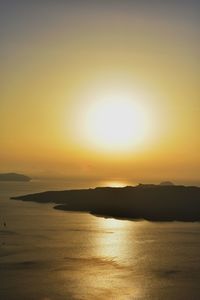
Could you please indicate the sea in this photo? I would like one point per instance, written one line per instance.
(47, 254)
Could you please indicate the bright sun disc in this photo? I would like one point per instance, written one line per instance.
(116, 123)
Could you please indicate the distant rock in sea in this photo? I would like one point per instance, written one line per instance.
(13, 177)
(166, 183)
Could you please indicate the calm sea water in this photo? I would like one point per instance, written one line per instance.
(47, 254)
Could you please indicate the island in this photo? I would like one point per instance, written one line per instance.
(167, 183)
(13, 177)
(145, 201)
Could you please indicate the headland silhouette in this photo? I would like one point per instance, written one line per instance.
(165, 202)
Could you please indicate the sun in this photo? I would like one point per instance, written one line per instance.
(115, 122)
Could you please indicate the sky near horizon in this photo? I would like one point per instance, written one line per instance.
(63, 61)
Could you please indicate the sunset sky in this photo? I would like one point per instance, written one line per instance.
(100, 89)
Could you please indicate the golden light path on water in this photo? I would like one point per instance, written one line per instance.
(111, 248)
(107, 267)
(111, 244)
(116, 183)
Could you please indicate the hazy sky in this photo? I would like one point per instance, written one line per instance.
(57, 57)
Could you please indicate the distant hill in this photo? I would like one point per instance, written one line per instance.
(13, 177)
(149, 202)
(167, 183)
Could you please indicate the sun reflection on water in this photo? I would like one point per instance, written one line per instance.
(116, 183)
(111, 243)
(104, 270)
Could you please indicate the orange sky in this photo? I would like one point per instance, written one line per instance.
(59, 59)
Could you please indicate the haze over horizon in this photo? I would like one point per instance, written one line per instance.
(101, 89)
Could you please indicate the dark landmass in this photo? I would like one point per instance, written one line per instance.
(13, 177)
(149, 202)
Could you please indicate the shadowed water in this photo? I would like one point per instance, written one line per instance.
(50, 254)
